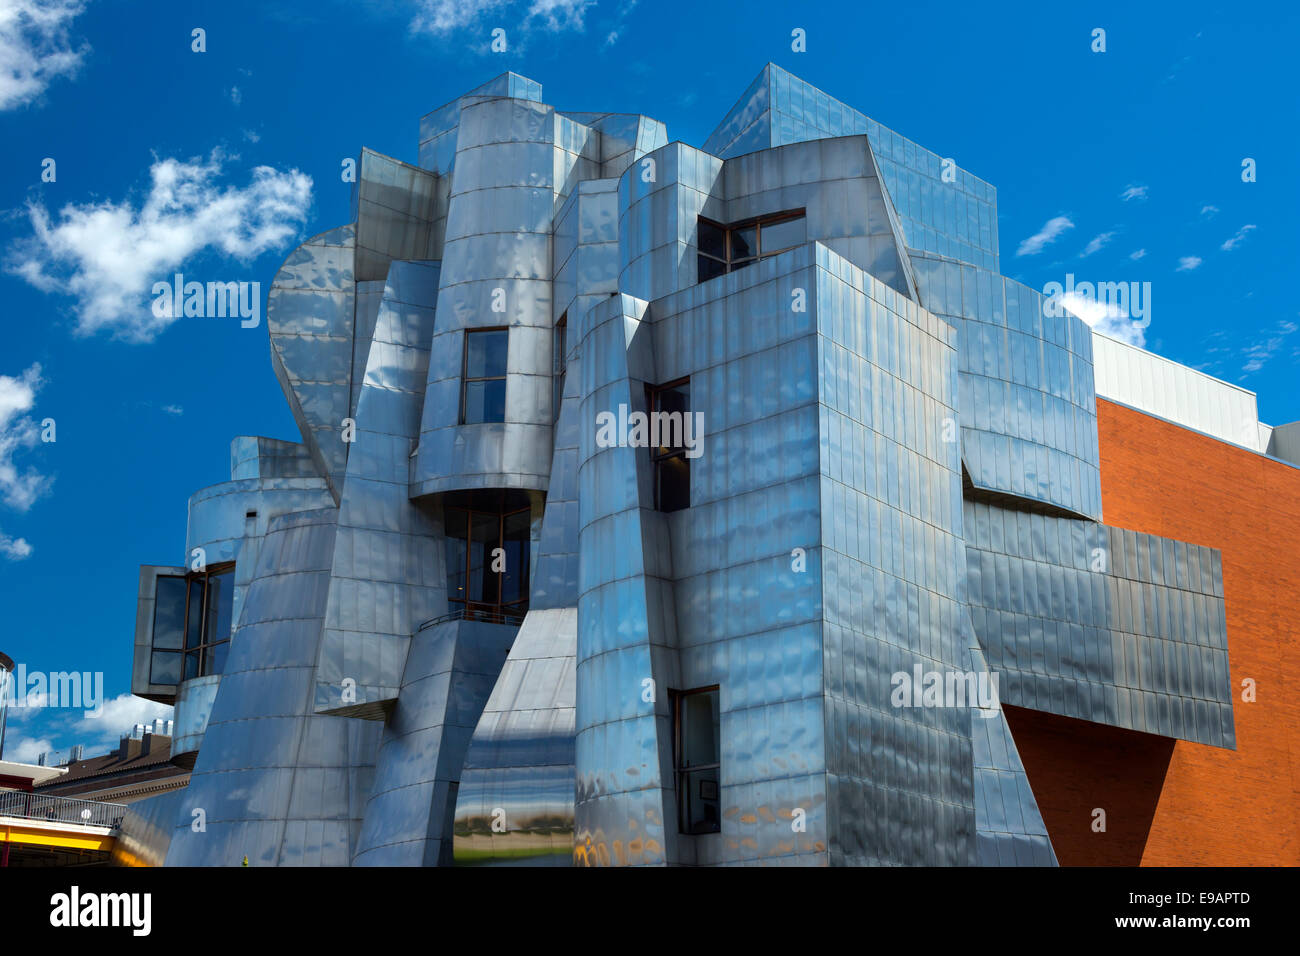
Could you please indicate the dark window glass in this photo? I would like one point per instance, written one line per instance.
(191, 664)
(169, 613)
(697, 756)
(728, 248)
(194, 613)
(669, 405)
(485, 353)
(559, 363)
(707, 268)
(165, 668)
(478, 523)
(744, 242)
(484, 396)
(485, 401)
(713, 239)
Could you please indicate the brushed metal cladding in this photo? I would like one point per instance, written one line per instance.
(624, 810)
(194, 700)
(146, 830)
(387, 575)
(274, 782)
(438, 128)
(942, 208)
(1101, 623)
(309, 314)
(449, 675)
(515, 802)
(400, 212)
(1009, 828)
(1028, 408)
(513, 161)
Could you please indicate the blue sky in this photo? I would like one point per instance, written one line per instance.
(1123, 165)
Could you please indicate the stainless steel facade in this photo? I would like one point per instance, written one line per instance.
(897, 474)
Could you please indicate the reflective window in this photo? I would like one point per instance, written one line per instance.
(488, 536)
(669, 406)
(697, 756)
(483, 398)
(191, 624)
(728, 248)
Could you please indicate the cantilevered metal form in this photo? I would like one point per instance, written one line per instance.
(660, 505)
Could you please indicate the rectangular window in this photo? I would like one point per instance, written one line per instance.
(483, 388)
(191, 624)
(671, 403)
(728, 248)
(697, 759)
(488, 537)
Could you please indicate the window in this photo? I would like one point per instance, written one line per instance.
(697, 756)
(191, 624)
(483, 388)
(559, 364)
(672, 469)
(728, 248)
(480, 578)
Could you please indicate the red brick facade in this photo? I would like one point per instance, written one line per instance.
(1173, 802)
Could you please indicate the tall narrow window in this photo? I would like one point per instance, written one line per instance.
(728, 248)
(669, 406)
(560, 364)
(483, 389)
(489, 545)
(697, 759)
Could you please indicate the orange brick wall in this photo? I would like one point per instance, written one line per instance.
(1215, 807)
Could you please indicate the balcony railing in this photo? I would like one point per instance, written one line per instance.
(47, 807)
(487, 616)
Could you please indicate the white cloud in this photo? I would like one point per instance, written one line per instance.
(1238, 239)
(1132, 192)
(1209, 212)
(27, 749)
(236, 96)
(15, 549)
(1188, 263)
(1096, 244)
(19, 487)
(119, 715)
(108, 255)
(173, 410)
(1258, 354)
(442, 17)
(1137, 254)
(1051, 231)
(34, 47)
(1107, 318)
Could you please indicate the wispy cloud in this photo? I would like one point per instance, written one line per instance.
(1188, 263)
(173, 410)
(1052, 230)
(442, 17)
(1108, 318)
(1238, 239)
(1209, 212)
(19, 487)
(1137, 254)
(1132, 192)
(107, 255)
(35, 48)
(236, 96)
(1096, 244)
(1257, 354)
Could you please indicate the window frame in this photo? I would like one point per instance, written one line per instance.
(657, 456)
(731, 263)
(203, 652)
(682, 772)
(559, 364)
(465, 380)
(518, 606)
